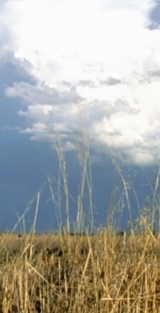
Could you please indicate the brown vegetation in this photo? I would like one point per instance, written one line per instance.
(64, 273)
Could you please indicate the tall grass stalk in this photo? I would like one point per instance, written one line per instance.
(58, 147)
(83, 156)
(126, 187)
(83, 153)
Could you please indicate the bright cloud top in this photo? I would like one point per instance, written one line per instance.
(93, 60)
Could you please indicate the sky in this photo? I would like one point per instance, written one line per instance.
(84, 74)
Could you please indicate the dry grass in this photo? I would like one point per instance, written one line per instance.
(80, 273)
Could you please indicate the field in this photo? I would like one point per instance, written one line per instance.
(56, 273)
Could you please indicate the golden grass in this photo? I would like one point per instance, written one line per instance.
(80, 273)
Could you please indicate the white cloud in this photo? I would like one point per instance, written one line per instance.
(95, 62)
(41, 94)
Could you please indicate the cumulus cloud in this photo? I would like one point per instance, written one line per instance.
(110, 81)
(95, 65)
(41, 94)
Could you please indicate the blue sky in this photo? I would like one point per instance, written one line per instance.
(76, 70)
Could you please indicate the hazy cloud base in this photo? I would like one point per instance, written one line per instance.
(95, 66)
